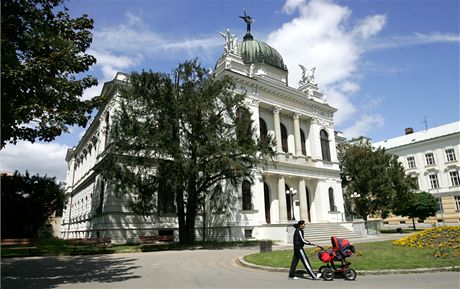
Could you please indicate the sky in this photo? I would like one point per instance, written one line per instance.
(385, 65)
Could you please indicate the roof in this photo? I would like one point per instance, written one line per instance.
(420, 136)
(254, 51)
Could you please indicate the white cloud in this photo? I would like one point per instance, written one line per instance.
(370, 26)
(135, 38)
(363, 125)
(93, 91)
(411, 40)
(123, 47)
(291, 5)
(42, 158)
(328, 41)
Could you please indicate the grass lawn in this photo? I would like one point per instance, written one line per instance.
(369, 256)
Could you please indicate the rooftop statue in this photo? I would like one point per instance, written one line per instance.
(308, 76)
(231, 44)
(248, 19)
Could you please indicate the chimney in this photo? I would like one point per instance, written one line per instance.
(408, 130)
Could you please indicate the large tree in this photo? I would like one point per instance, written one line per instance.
(377, 177)
(421, 206)
(43, 54)
(176, 138)
(28, 202)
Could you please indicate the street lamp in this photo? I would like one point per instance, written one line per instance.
(291, 192)
(354, 196)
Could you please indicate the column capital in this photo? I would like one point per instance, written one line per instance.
(277, 109)
(296, 115)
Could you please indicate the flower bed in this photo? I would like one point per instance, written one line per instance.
(444, 240)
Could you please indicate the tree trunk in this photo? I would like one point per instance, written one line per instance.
(204, 220)
(413, 223)
(192, 206)
(181, 216)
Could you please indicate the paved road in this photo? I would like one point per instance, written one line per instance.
(185, 269)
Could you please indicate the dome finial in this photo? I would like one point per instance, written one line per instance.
(248, 19)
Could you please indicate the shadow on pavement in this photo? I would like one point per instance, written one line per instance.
(49, 272)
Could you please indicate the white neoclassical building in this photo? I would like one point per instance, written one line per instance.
(304, 184)
(432, 157)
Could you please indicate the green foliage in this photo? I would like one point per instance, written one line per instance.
(377, 177)
(28, 202)
(176, 137)
(421, 206)
(43, 52)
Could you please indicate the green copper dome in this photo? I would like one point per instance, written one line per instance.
(253, 51)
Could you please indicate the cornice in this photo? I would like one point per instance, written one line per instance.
(280, 89)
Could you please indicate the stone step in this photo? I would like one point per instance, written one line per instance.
(322, 232)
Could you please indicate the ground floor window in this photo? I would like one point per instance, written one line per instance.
(454, 178)
(457, 202)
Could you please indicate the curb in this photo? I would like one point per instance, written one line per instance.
(240, 261)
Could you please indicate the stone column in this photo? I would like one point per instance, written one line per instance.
(282, 200)
(298, 143)
(254, 107)
(276, 117)
(303, 201)
(314, 139)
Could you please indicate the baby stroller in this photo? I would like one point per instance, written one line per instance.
(341, 249)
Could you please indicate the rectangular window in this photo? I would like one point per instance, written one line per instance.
(248, 233)
(411, 162)
(457, 202)
(429, 159)
(454, 178)
(434, 181)
(450, 155)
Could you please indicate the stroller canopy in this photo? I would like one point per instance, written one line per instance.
(342, 246)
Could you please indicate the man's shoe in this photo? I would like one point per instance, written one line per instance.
(293, 278)
(318, 276)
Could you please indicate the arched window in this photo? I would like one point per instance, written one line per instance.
(267, 203)
(284, 141)
(325, 145)
(243, 124)
(263, 129)
(303, 143)
(247, 195)
(332, 206)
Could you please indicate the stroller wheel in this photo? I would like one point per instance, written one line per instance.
(350, 274)
(321, 269)
(328, 274)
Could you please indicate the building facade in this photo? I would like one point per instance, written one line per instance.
(304, 183)
(432, 157)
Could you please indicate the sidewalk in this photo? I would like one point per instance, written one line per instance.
(369, 238)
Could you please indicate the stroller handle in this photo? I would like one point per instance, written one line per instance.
(317, 246)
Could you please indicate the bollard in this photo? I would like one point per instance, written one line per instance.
(265, 245)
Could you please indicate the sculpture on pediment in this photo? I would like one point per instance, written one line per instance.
(251, 70)
(231, 42)
(308, 76)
